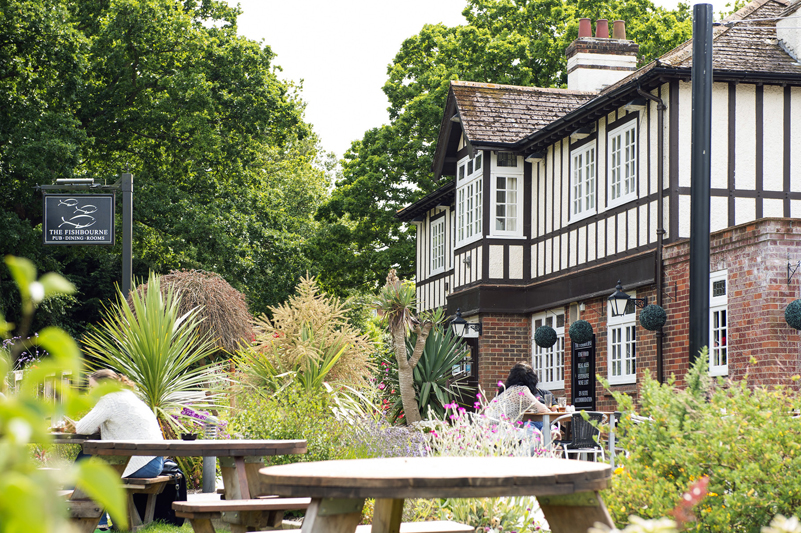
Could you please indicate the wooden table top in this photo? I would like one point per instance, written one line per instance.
(195, 448)
(434, 477)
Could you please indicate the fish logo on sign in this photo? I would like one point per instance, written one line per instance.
(82, 216)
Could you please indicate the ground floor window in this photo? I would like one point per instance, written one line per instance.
(718, 324)
(549, 363)
(622, 345)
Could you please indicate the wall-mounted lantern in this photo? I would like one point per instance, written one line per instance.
(464, 329)
(620, 301)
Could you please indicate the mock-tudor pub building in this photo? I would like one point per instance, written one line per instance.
(550, 196)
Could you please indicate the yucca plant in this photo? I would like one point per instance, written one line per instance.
(159, 350)
(434, 371)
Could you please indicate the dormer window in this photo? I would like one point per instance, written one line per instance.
(469, 199)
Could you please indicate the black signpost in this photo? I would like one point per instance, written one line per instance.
(584, 375)
(78, 219)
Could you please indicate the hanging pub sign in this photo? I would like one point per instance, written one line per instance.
(584, 375)
(77, 219)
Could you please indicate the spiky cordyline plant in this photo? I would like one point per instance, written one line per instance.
(158, 350)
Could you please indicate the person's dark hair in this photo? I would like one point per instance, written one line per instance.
(521, 375)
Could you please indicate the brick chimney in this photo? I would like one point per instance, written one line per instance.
(595, 62)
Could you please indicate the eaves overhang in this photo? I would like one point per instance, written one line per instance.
(443, 196)
(654, 75)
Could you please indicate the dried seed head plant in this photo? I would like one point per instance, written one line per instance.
(223, 309)
(310, 325)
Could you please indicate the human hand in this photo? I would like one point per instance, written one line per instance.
(69, 425)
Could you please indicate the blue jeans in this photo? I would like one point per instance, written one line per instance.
(151, 469)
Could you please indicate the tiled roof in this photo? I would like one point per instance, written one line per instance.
(740, 47)
(504, 114)
(745, 46)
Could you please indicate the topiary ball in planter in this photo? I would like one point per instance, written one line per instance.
(580, 331)
(545, 336)
(653, 317)
(792, 315)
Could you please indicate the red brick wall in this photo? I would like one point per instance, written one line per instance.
(761, 344)
(505, 340)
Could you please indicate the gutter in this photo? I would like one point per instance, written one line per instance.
(660, 230)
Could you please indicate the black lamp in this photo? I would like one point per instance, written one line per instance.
(463, 328)
(620, 300)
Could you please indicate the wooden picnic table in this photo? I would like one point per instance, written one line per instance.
(240, 461)
(567, 491)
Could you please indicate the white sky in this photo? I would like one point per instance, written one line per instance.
(341, 49)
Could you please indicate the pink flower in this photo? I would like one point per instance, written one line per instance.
(478, 395)
(381, 386)
(500, 383)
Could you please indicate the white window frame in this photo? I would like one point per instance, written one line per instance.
(469, 199)
(509, 174)
(438, 240)
(719, 305)
(622, 174)
(549, 363)
(621, 338)
(583, 188)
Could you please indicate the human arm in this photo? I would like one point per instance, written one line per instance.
(91, 422)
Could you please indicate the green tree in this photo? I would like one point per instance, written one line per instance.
(227, 173)
(518, 42)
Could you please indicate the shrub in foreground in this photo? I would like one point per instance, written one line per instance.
(744, 439)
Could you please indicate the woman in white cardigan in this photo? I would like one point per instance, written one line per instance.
(122, 415)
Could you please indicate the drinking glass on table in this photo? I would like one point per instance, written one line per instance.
(561, 402)
(548, 400)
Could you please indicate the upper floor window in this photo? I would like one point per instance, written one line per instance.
(469, 199)
(623, 163)
(718, 324)
(622, 345)
(438, 245)
(507, 159)
(549, 363)
(582, 182)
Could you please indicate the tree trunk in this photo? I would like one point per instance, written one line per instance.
(411, 409)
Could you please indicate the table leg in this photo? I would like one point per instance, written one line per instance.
(330, 515)
(252, 466)
(387, 516)
(118, 463)
(546, 431)
(235, 478)
(574, 512)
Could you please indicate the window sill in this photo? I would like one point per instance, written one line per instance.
(717, 373)
(623, 200)
(582, 216)
(628, 380)
(471, 240)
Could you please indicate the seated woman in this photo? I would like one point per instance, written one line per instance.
(121, 415)
(516, 396)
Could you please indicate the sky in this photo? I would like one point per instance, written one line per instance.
(340, 50)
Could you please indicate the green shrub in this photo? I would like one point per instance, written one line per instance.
(292, 413)
(744, 439)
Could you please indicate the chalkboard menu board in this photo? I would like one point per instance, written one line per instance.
(584, 375)
(78, 219)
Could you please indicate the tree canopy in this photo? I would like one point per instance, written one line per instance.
(517, 42)
(227, 175)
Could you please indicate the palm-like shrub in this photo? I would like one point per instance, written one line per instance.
(159, 350)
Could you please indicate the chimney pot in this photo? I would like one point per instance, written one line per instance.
(585, 28)
(602, 29)
(619, 30)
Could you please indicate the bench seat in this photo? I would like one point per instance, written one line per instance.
(434, 526)
(239, 514)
